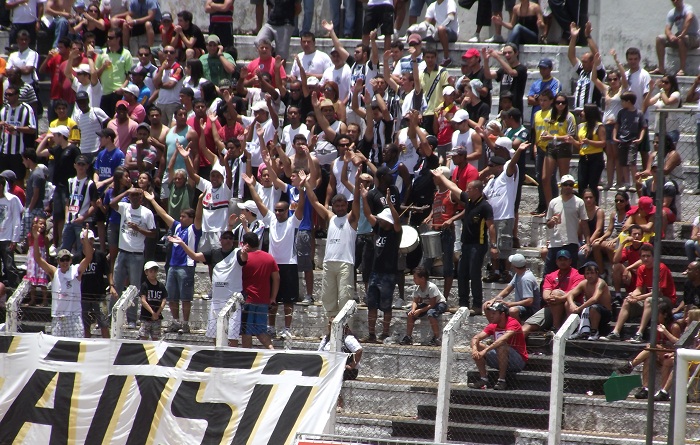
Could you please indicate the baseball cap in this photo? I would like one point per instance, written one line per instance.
(459, 150)
(150, 265)
(144, 125)
(497, 160)
(82, 95)
(505, 143)
(166, 16)
(432, 140)
(326, 103)
(590, 264)
(248, 205)
(60, 129)
(567, 178)
(260, 105)
(546, 63)
(449, 89)
(498, 307)
(445, 171)
(107, 132)
(386, 216)
(476, 85)
(213, 38)
(82, 68)
(460, 116)
(225, 83)
(133, 90)
(82, 159)
(517, 260)
(381, 171)
(647, 204)
(122, 103)
(415, 39)
(9, 175)
(312, 81)
(563, 253)
(471, 53)
(219, 169)
(64, 253)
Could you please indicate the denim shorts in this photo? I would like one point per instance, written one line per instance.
(180, 283)
(516, 362)
(254, 320)
(380, 291)
(435, 312)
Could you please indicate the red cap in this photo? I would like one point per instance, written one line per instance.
(647, 204)
(122, 102)
(471, 53)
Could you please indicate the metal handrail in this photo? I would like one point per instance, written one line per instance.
(126, 300)
(235, 303)
(12, 306)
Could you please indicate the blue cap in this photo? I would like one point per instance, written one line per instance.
(563, 253)
(546, 63)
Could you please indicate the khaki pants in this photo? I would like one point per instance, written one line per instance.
(337, 286)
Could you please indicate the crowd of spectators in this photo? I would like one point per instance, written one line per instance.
(243, 168)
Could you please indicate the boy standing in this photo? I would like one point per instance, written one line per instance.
(153, 297)
(629, 131)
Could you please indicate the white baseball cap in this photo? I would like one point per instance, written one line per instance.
(150, 265)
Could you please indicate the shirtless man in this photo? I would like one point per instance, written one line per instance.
(596, 296)
(61, 11)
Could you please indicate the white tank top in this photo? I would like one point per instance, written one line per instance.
(465, 139)
(501, 192)
(337, 167)
(325, 151)
(65, 292)
(227, 278)
(340, 241)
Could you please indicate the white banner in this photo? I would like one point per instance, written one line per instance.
(95, 391)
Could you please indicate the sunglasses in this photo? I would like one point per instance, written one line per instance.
(559, 102)
(111, 37)
(619, 200)
(280, 210)
(168, 52)
(568, 184)
(65, 259)
(144, 55)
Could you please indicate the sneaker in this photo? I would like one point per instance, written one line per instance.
(434, 341)
(637, 338)
(286, 334)
(613, 336)
(500, 385)
(623, 188)
(383, 337)
(271, 331)
(131, 325)
(207, 296)
(369, 338)
(481, 383)
(174, 327)
(308, 300)
(495, 39)
(595, 335)
(446, 62)
(662, 396)
(475, 38)
(642, 393)
(491, 278)
(399, 303)
(580, 336)
(627, 368)
(406, 340)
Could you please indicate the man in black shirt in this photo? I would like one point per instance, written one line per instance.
(477, 228)
(691, 288)
(280, 24)
(92, 288)
(512, 74)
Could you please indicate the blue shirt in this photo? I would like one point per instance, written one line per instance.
(306, 222)
(107, 161)
(145, 93)
(140, 8)
(190, 235)
(540, 85)
(114, 216)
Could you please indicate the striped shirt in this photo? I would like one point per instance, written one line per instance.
(89, 124)
(215, 202)
(20, 116)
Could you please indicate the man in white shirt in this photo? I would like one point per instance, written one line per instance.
(89, 121)
(638, 80)
(314, 62)
(261, 113)
(137, 223)
(283, 226)
(338, 72)
(443, 15)
(686, 37)
(10, 229)
(294, 128)
(25, 59)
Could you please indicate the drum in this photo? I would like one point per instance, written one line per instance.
(409, 239)
(432, 245)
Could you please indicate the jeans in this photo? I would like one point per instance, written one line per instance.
(692, 250)
(349, 25)
(567, 11)
(470, 264)
(590, 168)
(521, 35)
(128, 268)
(281, 35)
(9, 271)
(59, 28)
(180, 283)
(308, 15)
(71, 237)
(542, 206)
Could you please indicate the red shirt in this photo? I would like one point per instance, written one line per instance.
(631, 255)
(208, 137)
(516, 341)
(228, 132)
(645, 281)
(53, 66)
(563, 281)
(257, 283)
(464, 175)
(19, 192)
(443, 207)
(266, 66)
(445, 129)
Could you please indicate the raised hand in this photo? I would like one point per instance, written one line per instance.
(184, 152)
(148, 195)
(328, 26)
(279, 62)
(314, 99)
(574, 30)
(248, 179)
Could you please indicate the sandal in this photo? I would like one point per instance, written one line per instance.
(658, 71)
(680, 73)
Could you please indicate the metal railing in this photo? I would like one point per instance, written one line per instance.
(556, 397)
(353, 440)
(444, 385)
(13, 306)
(235, 303)
(127, 299)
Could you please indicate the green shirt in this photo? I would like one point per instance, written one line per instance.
(214, 69)
(113, 77)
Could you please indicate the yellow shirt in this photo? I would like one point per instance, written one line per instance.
(589, 149)
(426, 82)
(541, 124)
(72, 126)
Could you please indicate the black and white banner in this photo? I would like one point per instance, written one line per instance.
(95, 391)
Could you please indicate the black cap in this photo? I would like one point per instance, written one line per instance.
(497, 160)
(590, 264)
(432, 140)
(107, 132)
(82, 95)
(144, 125)
(383, 170)
(498, 307)
(82, 159)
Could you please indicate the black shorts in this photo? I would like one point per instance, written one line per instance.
(139, 30)
(382, 17)
(289, 284)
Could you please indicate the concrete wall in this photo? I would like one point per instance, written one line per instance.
(617, 23)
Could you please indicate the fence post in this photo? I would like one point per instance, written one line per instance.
(12, 307)
(556, 395)
(119, 311)
(232, 305)
(336, 342)
(445, 376)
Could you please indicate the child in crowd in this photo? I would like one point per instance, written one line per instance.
(427, 299)
(153, 298)
(628, 133)
(35, 274)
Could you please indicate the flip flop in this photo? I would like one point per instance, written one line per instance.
(680, 73)
(658, 71)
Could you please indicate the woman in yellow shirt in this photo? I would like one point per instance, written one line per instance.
(539, 128)
(590, 143)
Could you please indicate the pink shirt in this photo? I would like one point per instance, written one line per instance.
(137, 113)
(126, 133)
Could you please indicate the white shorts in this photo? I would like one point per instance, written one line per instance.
(209, 241)
(67, 326)
(234, 322)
